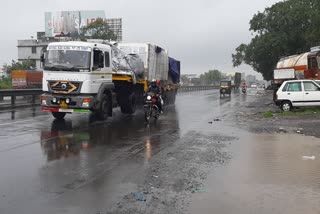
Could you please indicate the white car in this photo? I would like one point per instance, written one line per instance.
(298, 93)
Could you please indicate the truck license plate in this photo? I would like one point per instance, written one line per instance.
(63, 105)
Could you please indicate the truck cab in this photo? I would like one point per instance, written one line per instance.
(86, 76)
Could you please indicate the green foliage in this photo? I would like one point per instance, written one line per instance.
(286, 28)
(267, 114)
(24, 65)
(211, 77)
(5, 81)
(98, 30)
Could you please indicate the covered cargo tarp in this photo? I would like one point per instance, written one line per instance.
(127, 62)
(174, 70)
(155, 59)
(136, 64)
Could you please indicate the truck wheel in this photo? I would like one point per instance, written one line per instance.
(129, 106)
(286, 106)
(103, 112)
(59, 115)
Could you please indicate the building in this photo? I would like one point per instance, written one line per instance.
(251, 79)
(62, 26)
(243, 76)
(32, 49)
(115, 26)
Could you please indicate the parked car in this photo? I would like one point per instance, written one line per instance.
(298, 93)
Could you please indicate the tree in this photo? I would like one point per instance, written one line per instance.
(5, 81)
(286, 28)
(211, 77)
(24, 65)
(98, 30)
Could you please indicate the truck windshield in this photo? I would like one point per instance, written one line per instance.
(67, 60)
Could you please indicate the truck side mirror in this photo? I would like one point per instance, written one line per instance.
(42, 58)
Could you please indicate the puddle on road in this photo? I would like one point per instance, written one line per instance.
(267, 175)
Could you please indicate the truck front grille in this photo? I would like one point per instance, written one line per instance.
(64, 87)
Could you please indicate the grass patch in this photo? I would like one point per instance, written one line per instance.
(302, 111)
(267, 114)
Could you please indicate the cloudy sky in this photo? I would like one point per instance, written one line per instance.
(201, 33)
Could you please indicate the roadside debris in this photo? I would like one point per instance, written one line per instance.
(216, 120)
(308, 157)
(199, 191)
(210, 122)
(139, 196)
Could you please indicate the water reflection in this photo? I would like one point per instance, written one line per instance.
(68, 138)
(62, 142)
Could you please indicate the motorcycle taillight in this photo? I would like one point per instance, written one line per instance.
(154, 100)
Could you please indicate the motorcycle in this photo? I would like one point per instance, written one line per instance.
(150, 107)
(244, 90)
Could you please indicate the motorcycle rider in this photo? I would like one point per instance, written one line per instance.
(155, 88)
(244, 86)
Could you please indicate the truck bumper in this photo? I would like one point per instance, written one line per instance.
(67, 103)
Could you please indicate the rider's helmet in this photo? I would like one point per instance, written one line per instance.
(153, 82)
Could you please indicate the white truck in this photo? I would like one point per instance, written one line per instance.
(94, 76)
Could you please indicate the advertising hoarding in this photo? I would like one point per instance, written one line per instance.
(69, 23)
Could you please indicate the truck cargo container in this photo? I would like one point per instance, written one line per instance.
(26, 79)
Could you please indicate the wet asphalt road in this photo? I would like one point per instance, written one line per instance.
(195, 159)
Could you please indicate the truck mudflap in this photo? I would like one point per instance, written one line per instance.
(64, 110)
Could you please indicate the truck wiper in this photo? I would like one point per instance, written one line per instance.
(53, 68)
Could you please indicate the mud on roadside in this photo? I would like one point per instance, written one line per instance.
(261, 115)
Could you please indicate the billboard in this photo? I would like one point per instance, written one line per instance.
(69, 23)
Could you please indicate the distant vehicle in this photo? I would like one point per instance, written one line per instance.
(235, 79)
(302, 66)
(253, 85)
(298, 93)
(225, 87)
(26, 79)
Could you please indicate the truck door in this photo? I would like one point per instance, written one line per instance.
(311, 94)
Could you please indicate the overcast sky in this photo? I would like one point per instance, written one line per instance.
(202, 34)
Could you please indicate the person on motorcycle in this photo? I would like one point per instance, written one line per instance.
(244, 86)
(155, 88)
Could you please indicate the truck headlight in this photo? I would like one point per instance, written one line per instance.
(67, 100)
(54, 100)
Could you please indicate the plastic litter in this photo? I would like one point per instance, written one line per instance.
(216, 120)
(139, 196)
(308, 157)
(199, 191)
(210, 122)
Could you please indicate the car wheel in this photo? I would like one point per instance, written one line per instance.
(286, 106)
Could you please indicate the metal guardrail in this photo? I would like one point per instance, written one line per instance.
(13, 93)
(197, 88)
